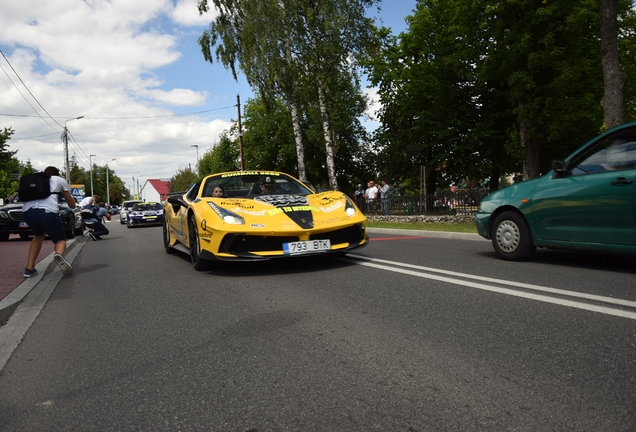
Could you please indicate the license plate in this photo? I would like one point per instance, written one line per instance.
(22, 225)
(306, 247)
(150, 217)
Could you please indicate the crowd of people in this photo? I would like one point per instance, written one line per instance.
(373, 200)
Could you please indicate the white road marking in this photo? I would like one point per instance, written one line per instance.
(377, 263)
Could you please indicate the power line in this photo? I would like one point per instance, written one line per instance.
(27, 88)
(129, 118)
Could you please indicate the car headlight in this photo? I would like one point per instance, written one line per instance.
(4, 215)
(226, 215)
(350, 209)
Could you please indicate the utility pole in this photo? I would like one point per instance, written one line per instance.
(90, 159)
(107, 186)
(240, 131)
(66, 159)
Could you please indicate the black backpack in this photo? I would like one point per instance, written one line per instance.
(34, 186)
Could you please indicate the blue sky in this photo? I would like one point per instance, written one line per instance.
(128, 68)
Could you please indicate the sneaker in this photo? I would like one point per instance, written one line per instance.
(66, 268)
(90, 233)
(29, 273)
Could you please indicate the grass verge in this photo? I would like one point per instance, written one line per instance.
(463, 227)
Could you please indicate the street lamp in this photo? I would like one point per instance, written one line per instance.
(107, 187)
(90, 158)
(139, 190)
(194, 145)
(65, 136)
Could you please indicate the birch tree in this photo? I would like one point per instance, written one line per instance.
(285, 46)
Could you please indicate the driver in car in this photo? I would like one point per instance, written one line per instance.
(267, 186)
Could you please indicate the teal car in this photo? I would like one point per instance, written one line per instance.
(586, 202)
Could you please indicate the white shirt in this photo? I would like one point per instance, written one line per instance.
(49, 204)
(372, 192)
(86, 201)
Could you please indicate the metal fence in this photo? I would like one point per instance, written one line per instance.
(449, 203)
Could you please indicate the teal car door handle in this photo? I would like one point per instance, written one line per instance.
(621, 181)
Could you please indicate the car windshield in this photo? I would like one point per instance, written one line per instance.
(147, 206)
(253, 183)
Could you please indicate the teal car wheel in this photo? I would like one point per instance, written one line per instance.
(511, 237)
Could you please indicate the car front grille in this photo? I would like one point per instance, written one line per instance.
(16, 215)
(240, 243)
(237, 244)
(352, 235)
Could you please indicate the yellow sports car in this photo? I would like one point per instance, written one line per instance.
(258, 215)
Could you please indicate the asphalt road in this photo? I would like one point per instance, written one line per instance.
(408, 334)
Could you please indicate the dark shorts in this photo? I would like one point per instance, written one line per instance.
(42, 222)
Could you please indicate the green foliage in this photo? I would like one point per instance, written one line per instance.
(183, 179)
(9, 165)
(222, 157)
(466, 77)
(297, 51)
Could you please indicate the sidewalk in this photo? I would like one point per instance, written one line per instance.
(14, 287)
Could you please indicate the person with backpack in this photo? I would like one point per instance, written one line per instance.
(93, 216)
(40, 192)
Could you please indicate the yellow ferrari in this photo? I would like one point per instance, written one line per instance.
(258, 215)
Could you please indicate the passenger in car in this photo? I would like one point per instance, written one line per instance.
(218, 192)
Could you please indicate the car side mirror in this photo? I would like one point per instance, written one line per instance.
(560, 167)
(176, 202)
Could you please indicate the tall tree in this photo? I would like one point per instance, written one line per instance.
(281, 45)
(9, 165)
(223, 156)
(183, 179)
(613, 76)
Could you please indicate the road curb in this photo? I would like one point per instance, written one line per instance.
(10, 303)
(439, 234)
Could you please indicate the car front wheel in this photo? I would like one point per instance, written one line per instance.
(511, 237)
(195, 248)
(166, 238)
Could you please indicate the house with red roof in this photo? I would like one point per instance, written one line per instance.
(155, 190)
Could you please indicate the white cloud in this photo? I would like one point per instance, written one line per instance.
(107, 61)
(373, 103)
(187, 14)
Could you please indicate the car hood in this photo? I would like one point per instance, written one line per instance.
(307, 212)
(510, 195)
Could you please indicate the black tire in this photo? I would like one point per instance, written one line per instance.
(198, 263)
(5, 236)
(23, 235)
(80, 230)
(69, 234)
(166, 238)
(511, 237)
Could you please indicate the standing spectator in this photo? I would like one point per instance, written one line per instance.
(371, 194)
(94, 222)
(42, 216)
(359, 197)
(384, 197)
